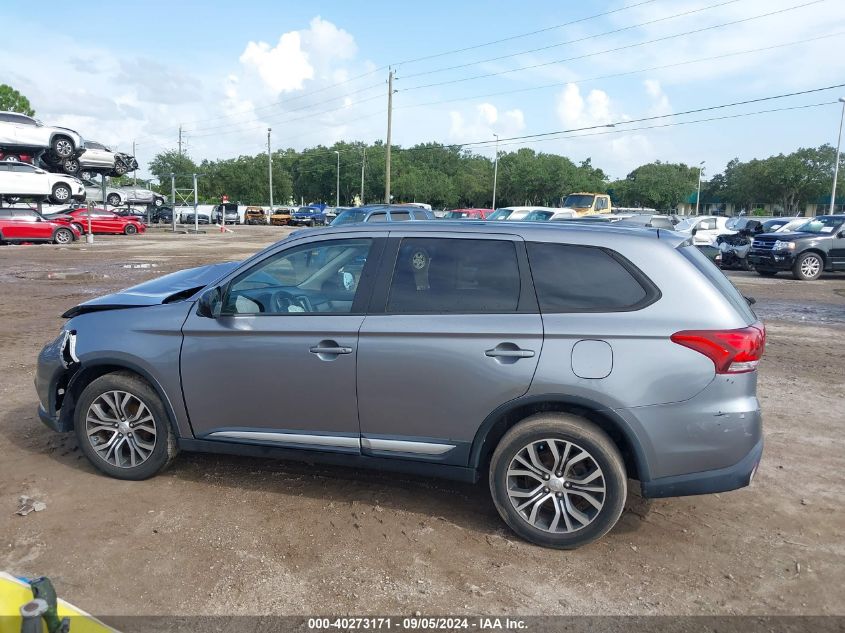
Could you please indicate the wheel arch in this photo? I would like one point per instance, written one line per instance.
(817, 251)
(90, 371)
(511, 413)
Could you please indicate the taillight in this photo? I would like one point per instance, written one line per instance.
(732, 351)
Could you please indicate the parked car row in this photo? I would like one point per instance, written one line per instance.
(57, 149)
(23, 225)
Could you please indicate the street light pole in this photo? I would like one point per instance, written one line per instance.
(363, 166)
(698, 195)
(495, 170)
(337, 189)
(836, 164)
(270, 167)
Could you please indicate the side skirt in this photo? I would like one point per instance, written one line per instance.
(427, 469)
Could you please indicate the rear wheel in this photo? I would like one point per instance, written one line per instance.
(558, 481)
(63, 236)
(808, 267)
(113, 199)
(61, 193)
(11, 157)
(159, 202)
(122, 427)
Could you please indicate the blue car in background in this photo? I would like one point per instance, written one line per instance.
(308, 216)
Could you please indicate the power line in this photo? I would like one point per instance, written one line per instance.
(521, 35)
(620, 74)
(575, 41)
(618, 48)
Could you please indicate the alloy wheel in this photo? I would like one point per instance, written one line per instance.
(64, 148)
(121, 429)
(63, 236)
(811, 266)
(556, 486)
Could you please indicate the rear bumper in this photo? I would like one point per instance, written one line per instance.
(709, 481)
(773, 260)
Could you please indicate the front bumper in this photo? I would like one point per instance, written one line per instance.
(302, 221)
(51, 379)
(771, 259)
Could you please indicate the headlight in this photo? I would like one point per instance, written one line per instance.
(784, 246)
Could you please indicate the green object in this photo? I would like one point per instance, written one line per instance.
(43, 588)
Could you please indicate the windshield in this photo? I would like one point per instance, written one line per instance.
(349, 217)
(538, 215)
(578, 201)
(791, 226)
(821, 225)
(500, 214)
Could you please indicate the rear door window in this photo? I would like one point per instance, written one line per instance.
(449, 275)
(571, 278)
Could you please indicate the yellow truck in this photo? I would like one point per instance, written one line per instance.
(587, 203)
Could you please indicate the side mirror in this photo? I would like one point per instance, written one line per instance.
(694, 230)
(210, 303)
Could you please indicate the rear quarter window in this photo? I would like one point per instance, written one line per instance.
(571, 278)
(718, 279)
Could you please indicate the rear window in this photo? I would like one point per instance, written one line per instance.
(718, 278)
(570, 278)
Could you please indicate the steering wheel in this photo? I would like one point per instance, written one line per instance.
(282, 300)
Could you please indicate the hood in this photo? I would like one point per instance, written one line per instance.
(788, 237)
(167, 289)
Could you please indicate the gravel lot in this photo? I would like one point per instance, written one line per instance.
(231, 535)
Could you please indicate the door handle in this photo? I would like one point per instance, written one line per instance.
(332, 350)
(509, 352)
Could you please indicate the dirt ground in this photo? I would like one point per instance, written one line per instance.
(233, 535)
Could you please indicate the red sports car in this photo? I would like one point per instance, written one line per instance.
(26, 225)
(102, 221)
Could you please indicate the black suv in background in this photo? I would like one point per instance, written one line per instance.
(814, 247)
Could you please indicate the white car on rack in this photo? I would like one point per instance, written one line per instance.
(118, 196)
(22, 180)
(23, 134)
(97, 158)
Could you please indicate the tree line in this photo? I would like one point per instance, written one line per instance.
(450, 177)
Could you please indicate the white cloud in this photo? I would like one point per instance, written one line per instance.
(660, 99)
(283, 68)
(574, 111)
(485, 121)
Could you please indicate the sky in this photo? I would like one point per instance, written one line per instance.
(316, 73)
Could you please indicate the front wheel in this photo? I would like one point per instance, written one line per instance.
(158, 202)
(558, 481)
(71, 166)
(808, 267)
(122, 427)
(62, 147)
(130, 229)
(61, 193)
(62, 236)
(12, 158)
(119, 168)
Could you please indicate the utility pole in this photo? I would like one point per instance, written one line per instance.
(196, 214)
(389, 123)
(698, 195)
(836, 164)
(337, 189)
(180, 140)
(270, 167)
(134, 171)
(363, 165)
(495, 170)
(173, 200)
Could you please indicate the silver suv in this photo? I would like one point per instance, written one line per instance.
(555, 361)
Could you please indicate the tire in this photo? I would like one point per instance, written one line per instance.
(558, 506)
(78, 227)
(158, 202)
(11, 157)
(71, 166)
(62, 146)
(61, 193)
(119, 168)
(130, 229)
(63, 236)
(765, 272)
(113, 199)
(149, 439)
(808, 267)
